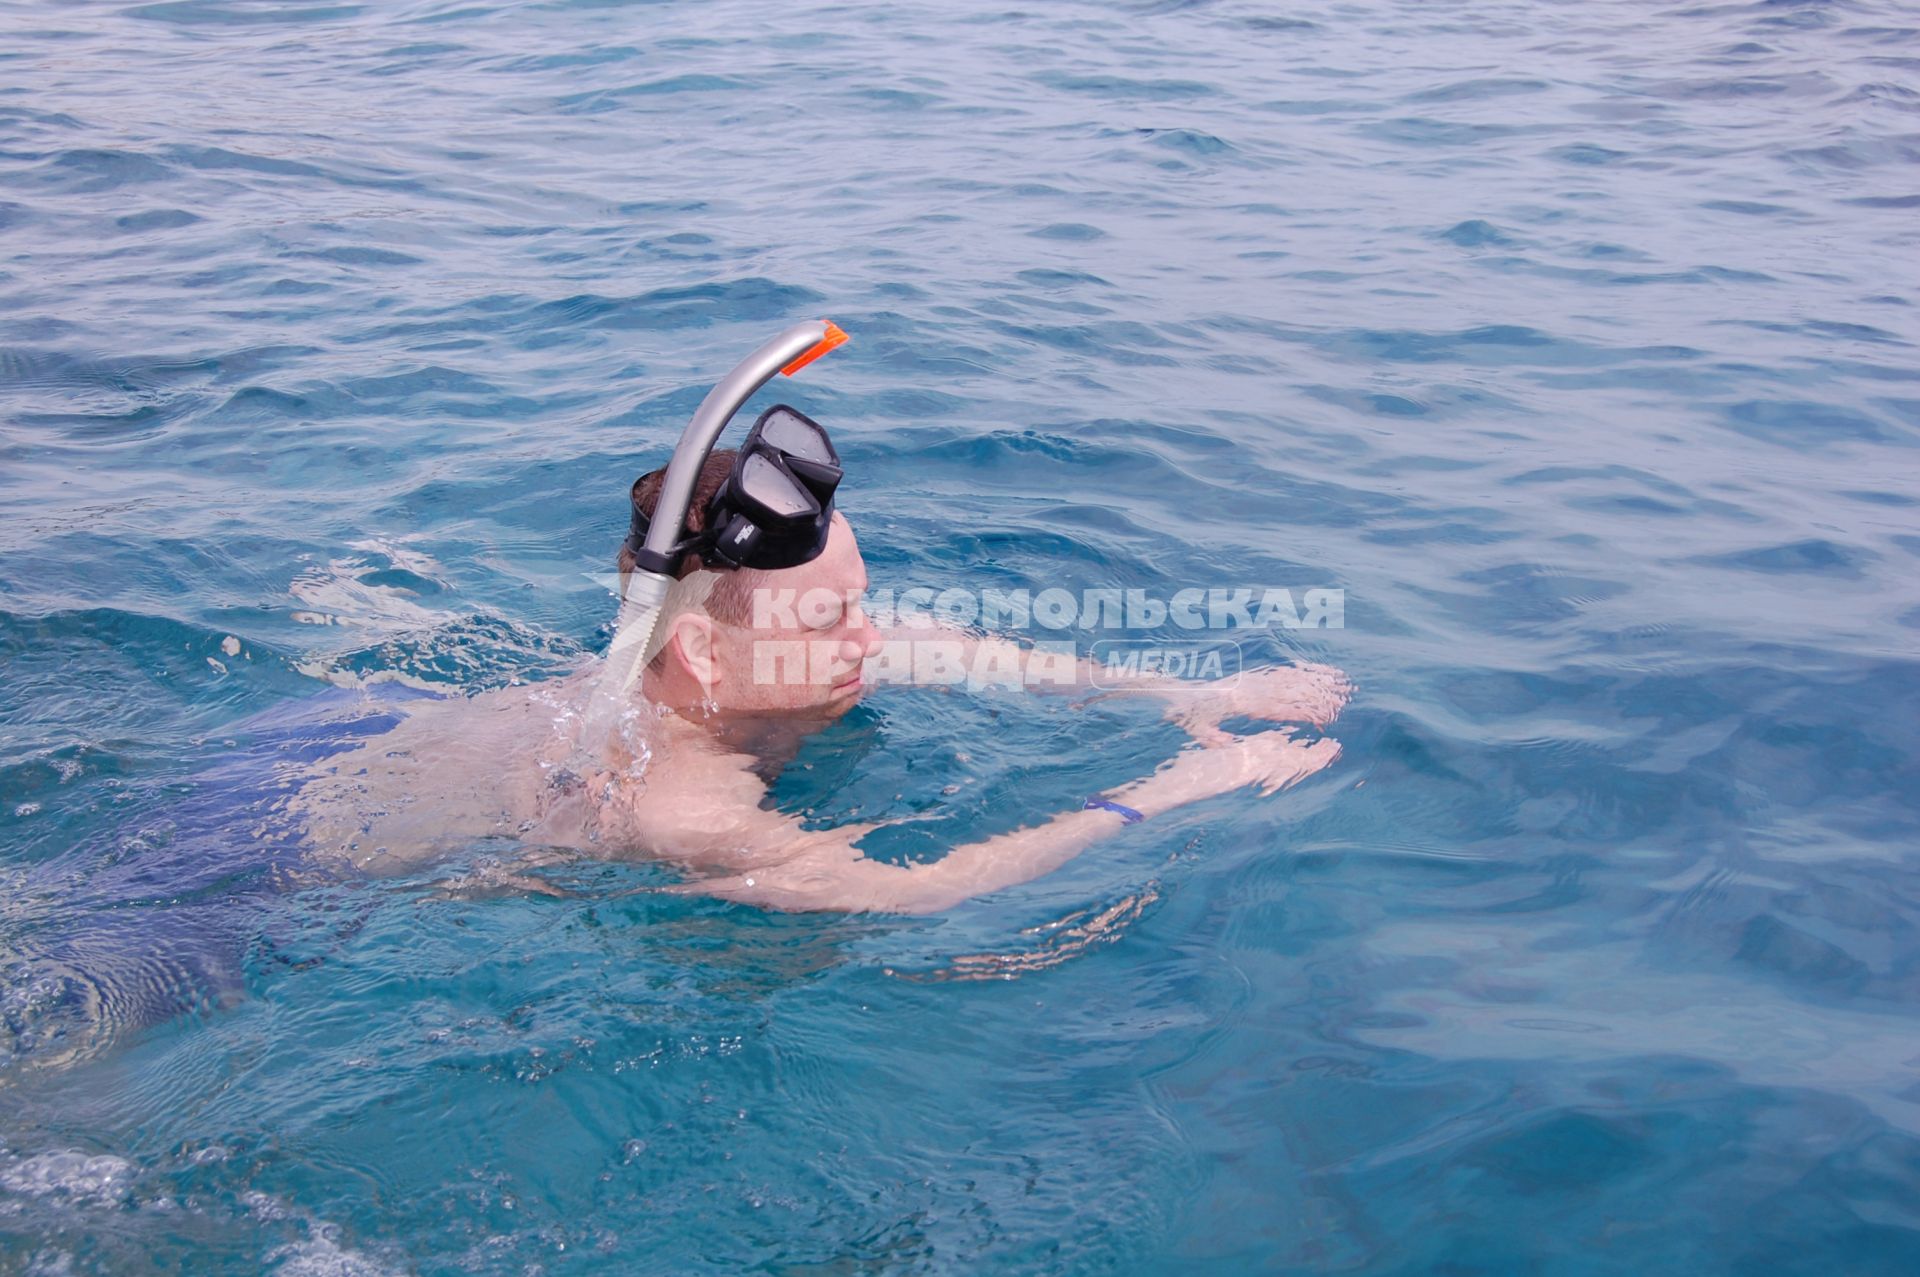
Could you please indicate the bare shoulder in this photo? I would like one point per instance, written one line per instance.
(696, 803)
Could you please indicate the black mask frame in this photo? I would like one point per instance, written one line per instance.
(775, 509)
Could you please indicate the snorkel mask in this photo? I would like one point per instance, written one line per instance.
(776, 507)
(774, 511)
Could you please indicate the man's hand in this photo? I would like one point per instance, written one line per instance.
(1270, 760)
(1280, 694)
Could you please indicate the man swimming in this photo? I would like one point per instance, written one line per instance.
(714, 674)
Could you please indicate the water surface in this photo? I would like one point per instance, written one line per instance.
(1575, 342)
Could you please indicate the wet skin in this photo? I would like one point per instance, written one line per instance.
(685, 784)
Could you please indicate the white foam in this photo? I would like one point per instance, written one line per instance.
(324, 1257)
(99, 1179)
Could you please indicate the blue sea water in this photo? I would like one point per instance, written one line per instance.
(1574, 341)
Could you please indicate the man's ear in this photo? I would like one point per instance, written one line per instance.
(692, 646)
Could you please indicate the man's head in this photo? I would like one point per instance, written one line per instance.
(766, 642)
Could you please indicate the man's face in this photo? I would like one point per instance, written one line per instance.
(800, 650)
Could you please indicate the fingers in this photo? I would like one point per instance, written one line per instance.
(1339, 692)
(1306, 693)
(1323, 692)
(1292, 762)
(1288, 693)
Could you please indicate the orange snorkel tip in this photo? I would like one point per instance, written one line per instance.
(835, 337)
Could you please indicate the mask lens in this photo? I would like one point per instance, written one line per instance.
(797, 437)
(765, 483)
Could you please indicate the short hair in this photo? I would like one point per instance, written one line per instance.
(732, 597)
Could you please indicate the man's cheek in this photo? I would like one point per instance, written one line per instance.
(824, 666)
(795, 662)
(780, 663)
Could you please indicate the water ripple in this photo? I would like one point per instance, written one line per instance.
(1573, 342)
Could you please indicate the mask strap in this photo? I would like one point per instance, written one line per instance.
(689, 593)
(637, 538)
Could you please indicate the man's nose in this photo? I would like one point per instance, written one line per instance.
(863, 642)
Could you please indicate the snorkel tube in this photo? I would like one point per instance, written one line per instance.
(658, 560)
